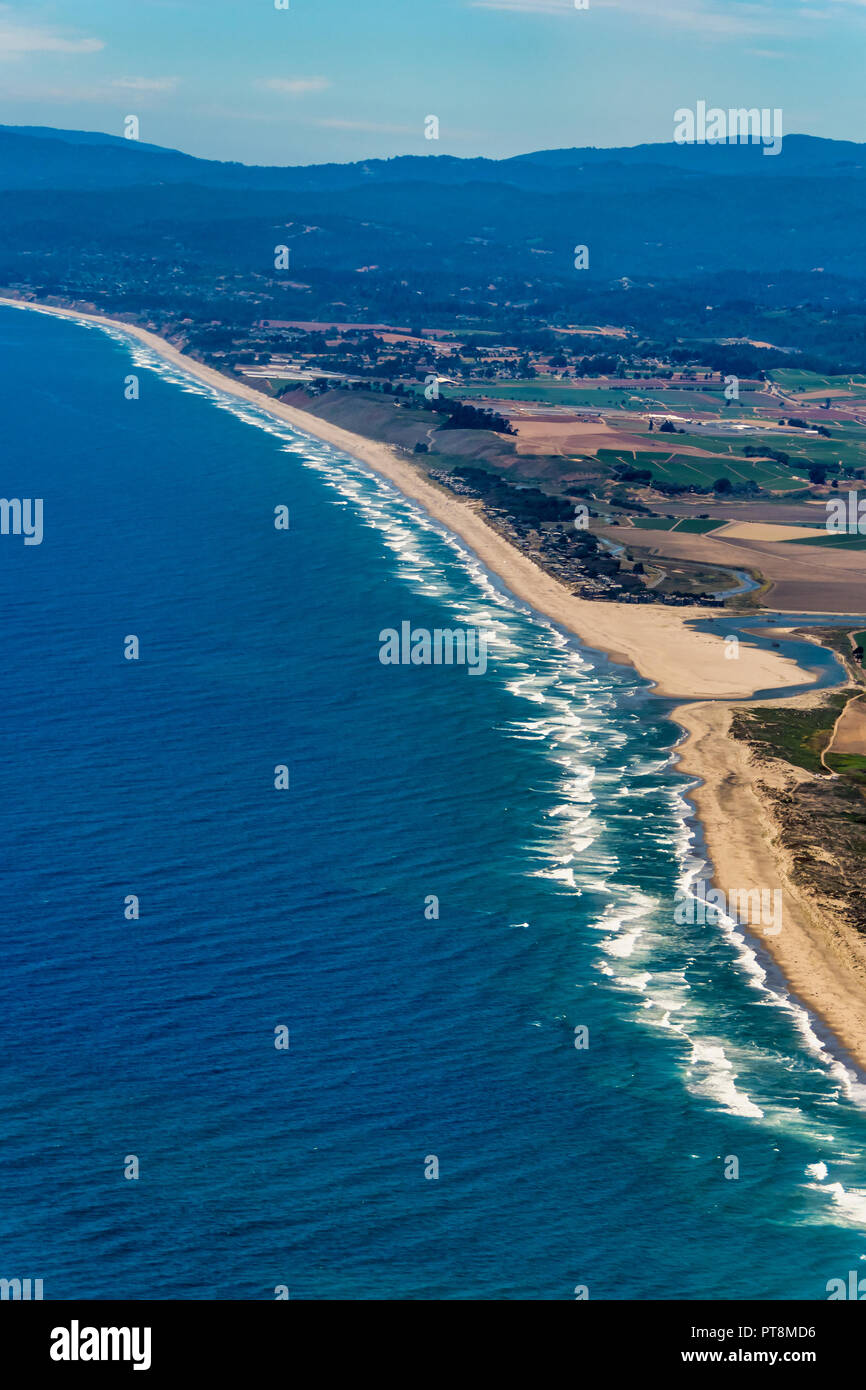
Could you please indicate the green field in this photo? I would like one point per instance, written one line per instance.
(577, 397)
(792, 379)
(619, 397)
(696, 526)
(708, 401)
(848, 449)
(733, 448)
(683, 469)
(834, 540)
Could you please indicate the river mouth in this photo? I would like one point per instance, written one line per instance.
(766, 631)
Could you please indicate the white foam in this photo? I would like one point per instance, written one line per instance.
(712, 1075)
(563, 683)
(848, 1204)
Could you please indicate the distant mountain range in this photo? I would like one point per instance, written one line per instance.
(41, 157)
(685, 241)
(652, 211)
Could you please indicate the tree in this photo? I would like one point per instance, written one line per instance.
(722, 485)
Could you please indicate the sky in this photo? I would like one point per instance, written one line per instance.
(342, 80)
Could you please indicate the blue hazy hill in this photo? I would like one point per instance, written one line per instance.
(39, 157)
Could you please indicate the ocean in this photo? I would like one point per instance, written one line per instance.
(464, 869)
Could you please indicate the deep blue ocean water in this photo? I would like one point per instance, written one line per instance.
(537, 802)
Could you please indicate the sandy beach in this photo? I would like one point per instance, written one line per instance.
(822, 959)
(682, 663)
(823, 962)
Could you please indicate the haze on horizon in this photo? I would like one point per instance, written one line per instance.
(339, 80)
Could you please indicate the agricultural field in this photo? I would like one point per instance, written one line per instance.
(565, 394)
(688, 400)
(833, 540)
(702, 402)
(847, 448)
(793, 379)
(707, 444)
(697, 526)
(684, 469)
(741, 530)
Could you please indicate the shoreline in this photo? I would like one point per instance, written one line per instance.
(681, 663)
(822, 960)
(823, 964)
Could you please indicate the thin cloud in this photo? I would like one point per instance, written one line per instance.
(109, 93)
(745, 18)
(18, 39)
(712, 18)
(294, 86)
(145, 84)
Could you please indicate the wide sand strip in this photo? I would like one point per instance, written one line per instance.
(683, 663)
(822, 958)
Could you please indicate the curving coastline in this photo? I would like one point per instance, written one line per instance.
(823, 962)
(657, 641)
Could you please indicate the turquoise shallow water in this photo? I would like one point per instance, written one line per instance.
(537, 802)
